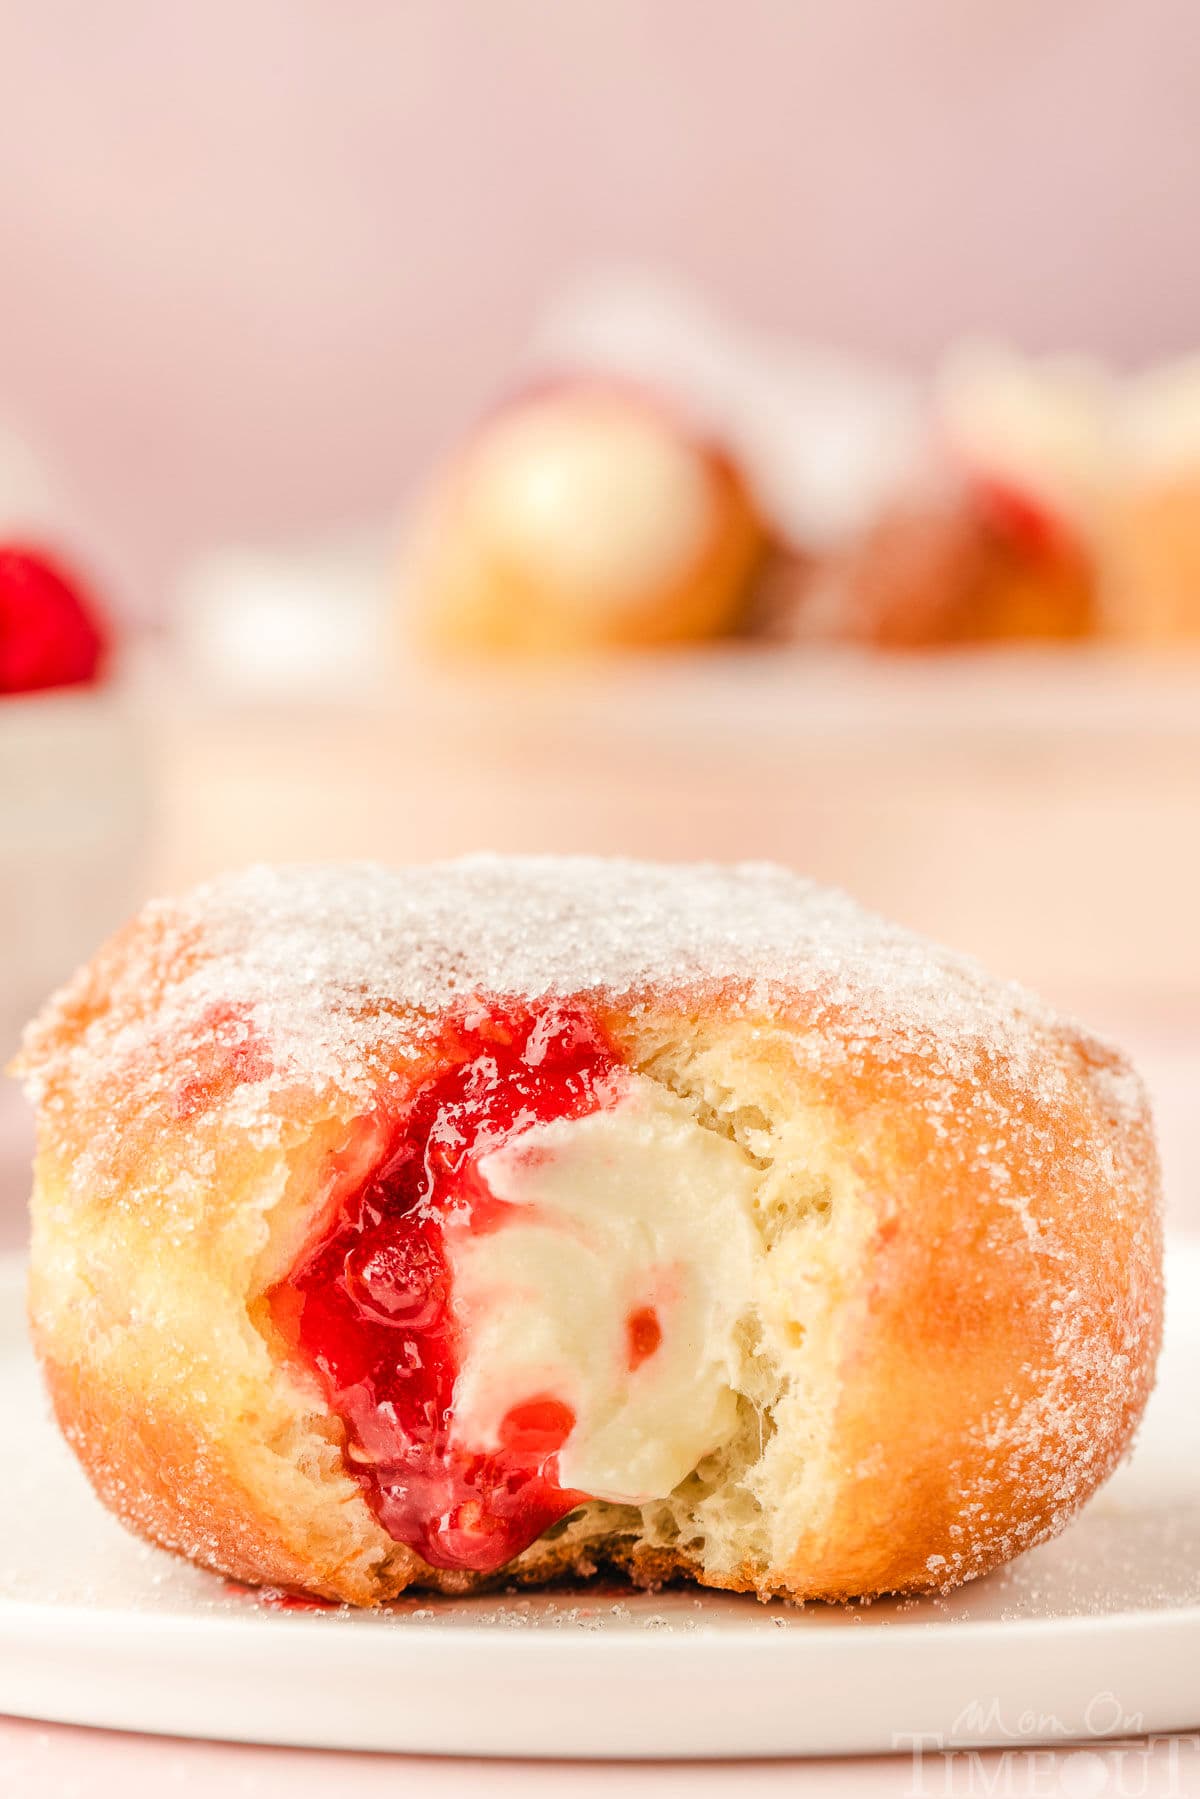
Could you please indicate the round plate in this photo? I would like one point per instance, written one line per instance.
(1095, 1634)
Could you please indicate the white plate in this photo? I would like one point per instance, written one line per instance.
(1095, 1634)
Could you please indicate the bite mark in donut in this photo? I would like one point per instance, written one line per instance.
(504, 1315)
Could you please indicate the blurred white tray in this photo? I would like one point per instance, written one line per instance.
(1040, 811)
(1096, 1634)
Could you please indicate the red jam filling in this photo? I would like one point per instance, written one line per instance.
(644, 1334)
(369, 1307)
(1021, 518)
(227, 1052)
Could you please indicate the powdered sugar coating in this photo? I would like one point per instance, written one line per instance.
(304, 957)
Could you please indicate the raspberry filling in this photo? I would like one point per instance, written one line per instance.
(644, 1335)
(370, 1307)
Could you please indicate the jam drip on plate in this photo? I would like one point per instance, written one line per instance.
(370, 1307)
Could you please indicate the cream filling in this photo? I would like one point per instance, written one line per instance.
(633, 1212)
(1045, 425)
(1162, 422)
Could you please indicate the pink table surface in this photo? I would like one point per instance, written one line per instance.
(37, 1762)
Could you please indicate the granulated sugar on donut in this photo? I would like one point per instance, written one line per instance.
(914, 1211)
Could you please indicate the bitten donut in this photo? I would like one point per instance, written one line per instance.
(500, 1220)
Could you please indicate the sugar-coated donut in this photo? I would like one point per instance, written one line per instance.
(978, 564)
(583, 514)
(499, 1220)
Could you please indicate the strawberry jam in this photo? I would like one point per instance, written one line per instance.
(370, 1307)
(644, 1335)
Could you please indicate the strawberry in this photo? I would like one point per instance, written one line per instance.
(50, 630)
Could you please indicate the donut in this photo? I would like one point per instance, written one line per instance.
(505, 1220)
(978, 564)
(1153, 541)
(583, 514)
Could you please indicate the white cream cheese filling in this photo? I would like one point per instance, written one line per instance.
(630, 1221)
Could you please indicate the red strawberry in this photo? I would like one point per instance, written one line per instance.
(50, 630)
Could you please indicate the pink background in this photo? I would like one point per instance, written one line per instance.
(260, 257)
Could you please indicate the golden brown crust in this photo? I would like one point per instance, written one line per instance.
(1004, 1338)
(989, 1314)
(475, 587)
(940, 573)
